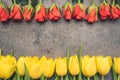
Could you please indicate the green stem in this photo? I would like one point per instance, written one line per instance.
(113, 3)
(12, 53)
(108, 1)
(61, 77)
(92, 1)
(21, 78)
(74, 78)
(79, 1)
(118, 77)
(104, 1)
(88, 78)
(41, 1)
(14, 1)
(102, 77)
(29, 2)
(45, 78)
(0, 52)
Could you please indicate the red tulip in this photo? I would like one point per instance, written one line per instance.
(115, 12)
(54, 12)
(104, 11)
(67, 11)
(79, 11)
(4, 15)
(92, 14)
(16, 12)
(41, 14)
(27, 13)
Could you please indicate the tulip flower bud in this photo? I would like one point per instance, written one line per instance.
(79, 11)
(67, 11)
(7, 66)
(28, 12)
(117, 65)
(41, 14)
(20, 66)
(54, 12)
(49, 67)
(89, 66)
(61, 66)
(16, 12)
(104, 10)
(103, 65)
(115, 12)
(4, 15)
(34, 66)
(73, 65)
(92, 14)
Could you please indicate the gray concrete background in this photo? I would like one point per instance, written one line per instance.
(53, 38)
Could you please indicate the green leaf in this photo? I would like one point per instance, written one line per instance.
(66, 77)
(12, 53)
(26, 74)
(21, 78)
(96, 77)
(17, 75)
(79, 77)
(84, 77)
(79, 58)
(0, 52)
(114, 73)
(1, 79)
(14, 78)
(38, 7)
(42, 77)
(80, 52)
(71, 77)
(68, 55)
(57, 77)
(51, 6)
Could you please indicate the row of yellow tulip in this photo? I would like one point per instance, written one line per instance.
(86, 65)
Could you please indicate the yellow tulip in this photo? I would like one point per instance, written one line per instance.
(103, 64)
(20, 66)
(7, 66)
(117, 65)
(49, 66)
(34, 66)
(61, 66)
(89, 66)
(73, 65)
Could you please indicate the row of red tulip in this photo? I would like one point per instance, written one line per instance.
(78, 12)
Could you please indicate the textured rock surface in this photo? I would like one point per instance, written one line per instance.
(53, 38)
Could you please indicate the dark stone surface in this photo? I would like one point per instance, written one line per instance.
(53, 38)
